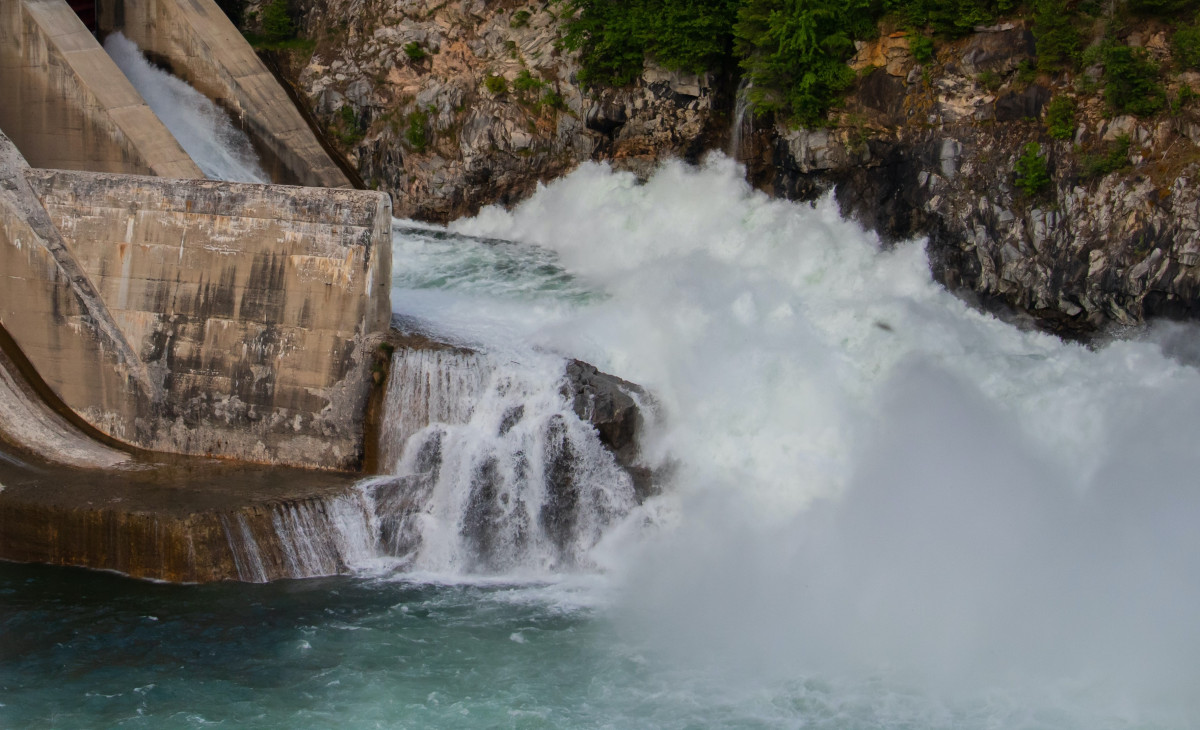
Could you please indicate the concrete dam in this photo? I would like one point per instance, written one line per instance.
(195, 374)
(148, 312)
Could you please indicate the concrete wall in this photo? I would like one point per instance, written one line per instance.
(30, 424)
(67, 105)
(54, 314)
(203, 47)
(199, 317)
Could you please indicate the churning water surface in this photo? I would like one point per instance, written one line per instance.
(883, 509)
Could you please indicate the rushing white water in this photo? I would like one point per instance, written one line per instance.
(871, 479)
(204, 130)
(498, 473)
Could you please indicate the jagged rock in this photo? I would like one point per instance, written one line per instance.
(1000, 50)
(1024, 104)
(883, 93)
(891, 53)
(606, 118)
(609, 404)
(490, 146)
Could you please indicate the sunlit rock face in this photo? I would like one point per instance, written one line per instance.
(916, 149)
(451, 106)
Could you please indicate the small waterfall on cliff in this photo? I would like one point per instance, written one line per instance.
(204, 130)
(742, 125)
(493, 470)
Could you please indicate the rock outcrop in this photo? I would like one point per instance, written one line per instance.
(451, 106)
(932, 150)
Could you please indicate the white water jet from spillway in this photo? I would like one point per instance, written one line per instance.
(871, 478)
(204, 130)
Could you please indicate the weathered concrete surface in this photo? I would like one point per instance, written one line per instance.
(52, 311)
(67, 105)
(27, 422)
(199, 317)
(203, 47)
(189, 521)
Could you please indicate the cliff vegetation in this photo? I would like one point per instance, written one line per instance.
(1047, 149)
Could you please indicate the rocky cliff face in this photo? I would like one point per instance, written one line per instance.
(933, 150)
(451, 106)
(455, 105)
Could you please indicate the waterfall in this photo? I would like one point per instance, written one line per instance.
(489, 470)
(488, 466)
(204, 130)
(304, 538)
(742, 125)
(492, 470)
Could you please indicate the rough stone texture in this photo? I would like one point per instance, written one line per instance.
(916, 150)
(199, 317)
(202, 47)
(66, 104)
(932, 152)
(481, 147)
(609, 404)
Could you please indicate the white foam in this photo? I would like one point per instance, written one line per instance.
(869, 473)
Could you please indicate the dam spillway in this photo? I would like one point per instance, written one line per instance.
(175, 319)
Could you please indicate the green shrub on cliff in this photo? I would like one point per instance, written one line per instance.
(1115, 157)
(1186, 44)
(615, 38)
(921, 47)
(277, 22)
(346, 128)
(520, 19)
(495, 84)
(1060, 117)
(1032, 173)
(415, 52)
(417, 133)
(1055, 35)
(795, 51)
(1131, 84)
(951, 18)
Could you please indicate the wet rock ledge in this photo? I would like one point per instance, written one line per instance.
(189, 521)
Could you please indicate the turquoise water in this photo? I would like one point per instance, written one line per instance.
(93, 650)
(88, 650)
